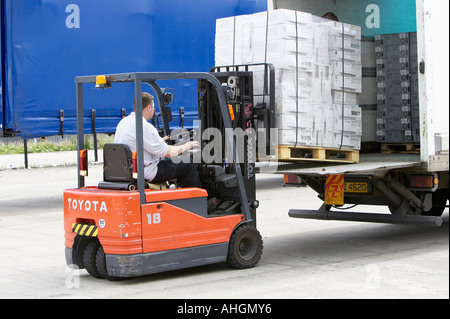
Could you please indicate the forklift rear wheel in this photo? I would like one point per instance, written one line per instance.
(101, 265)
(89, 257)
(245, 247)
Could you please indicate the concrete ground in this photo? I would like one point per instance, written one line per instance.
(301, 258)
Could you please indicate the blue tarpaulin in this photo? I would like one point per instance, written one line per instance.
(46, 43)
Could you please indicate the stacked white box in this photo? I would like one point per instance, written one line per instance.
(346, 79)
(313, 58)
(347, 125)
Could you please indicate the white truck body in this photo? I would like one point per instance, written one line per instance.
(389, 174)
(432, 28)
(433, 49)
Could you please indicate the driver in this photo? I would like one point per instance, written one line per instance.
(158, 167)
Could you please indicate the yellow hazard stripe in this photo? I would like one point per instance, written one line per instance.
(85, 229)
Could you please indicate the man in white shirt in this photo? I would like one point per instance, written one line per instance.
(155, 149)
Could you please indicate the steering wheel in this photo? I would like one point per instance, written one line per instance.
(182, 136)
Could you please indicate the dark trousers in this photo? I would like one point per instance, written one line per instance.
(185, 173)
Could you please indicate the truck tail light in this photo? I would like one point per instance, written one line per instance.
(83, 163)
(422, 181)
(134, 158)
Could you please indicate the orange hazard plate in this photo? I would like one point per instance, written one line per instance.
(334, 190)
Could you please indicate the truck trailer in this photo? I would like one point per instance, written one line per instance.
(45, 44)
(410, 178)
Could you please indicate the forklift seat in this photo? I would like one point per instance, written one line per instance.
(117, 167)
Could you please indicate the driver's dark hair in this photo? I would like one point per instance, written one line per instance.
(147, 99)
(330, 16)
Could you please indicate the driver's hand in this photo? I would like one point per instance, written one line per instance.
(194, 144)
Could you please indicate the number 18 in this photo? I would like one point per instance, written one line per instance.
(154, 218)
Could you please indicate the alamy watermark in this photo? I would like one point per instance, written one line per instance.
(73, 276)
(373, 19)
(233, 145)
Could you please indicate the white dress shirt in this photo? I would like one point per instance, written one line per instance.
(154, 146)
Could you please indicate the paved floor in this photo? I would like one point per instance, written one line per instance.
(301, 258)
(39, 160)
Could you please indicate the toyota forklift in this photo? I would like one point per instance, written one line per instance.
(124, 228)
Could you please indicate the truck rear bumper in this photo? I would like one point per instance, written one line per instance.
(404, 219)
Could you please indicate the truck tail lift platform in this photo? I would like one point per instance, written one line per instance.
(122, 229)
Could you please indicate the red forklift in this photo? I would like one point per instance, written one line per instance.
(122, 228)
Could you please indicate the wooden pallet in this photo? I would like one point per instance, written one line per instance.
(413, 148)
(322, 154)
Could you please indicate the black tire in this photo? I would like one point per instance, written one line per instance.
(439, 199)
(101, 265)
(245, 247)
(89, 256)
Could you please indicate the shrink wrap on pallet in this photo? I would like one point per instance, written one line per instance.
(317, 72)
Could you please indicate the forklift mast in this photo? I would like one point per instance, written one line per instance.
(239, 94)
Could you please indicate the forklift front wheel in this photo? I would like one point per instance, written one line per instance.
(245, 247)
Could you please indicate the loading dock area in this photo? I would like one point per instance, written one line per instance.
(302, 258)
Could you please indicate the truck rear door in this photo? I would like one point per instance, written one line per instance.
(433, 48)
